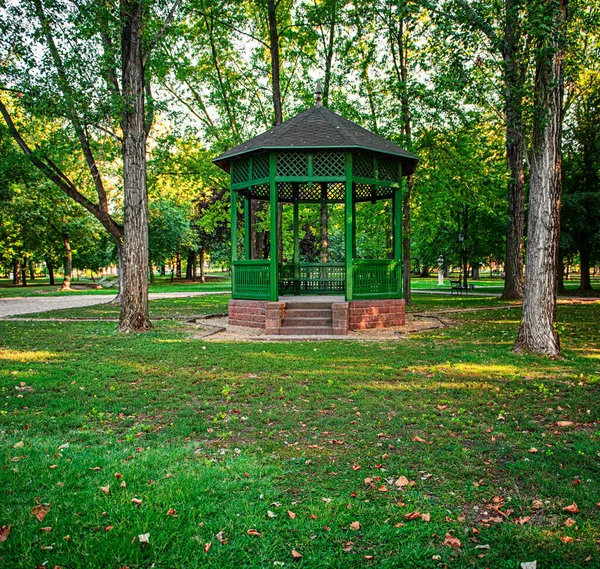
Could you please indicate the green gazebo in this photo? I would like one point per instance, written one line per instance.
(316, 157)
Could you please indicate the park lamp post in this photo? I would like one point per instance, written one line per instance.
(440, 270)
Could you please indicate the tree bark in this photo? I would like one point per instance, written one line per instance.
(24, 272)
(68, 266)
(537, 331)
(584, 269)
(151, 272)
(178, 266)
(275, 67)
(201, 262)
(16, 272)
(515, 147)
(189, 270)
(32, 271)
(134, 304)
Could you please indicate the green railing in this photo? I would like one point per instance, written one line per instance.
(376, 279)
(312, 278)
(250, 280)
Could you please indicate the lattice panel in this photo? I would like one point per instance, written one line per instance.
(260, 167)
(285, 191)
(292, 164)
(388, 170)
(261, 191)
(362, 191)
(384, 192)
(363, 166)
(336, 192)
(310, 192)
(329, 164)
(240, 171)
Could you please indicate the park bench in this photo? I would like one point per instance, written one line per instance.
(458, 287)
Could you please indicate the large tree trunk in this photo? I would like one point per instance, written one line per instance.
(16, 273)
(32, 270)
(134, 304)
(515, 147)
(537, 332)
(201, 262)
(189, 270)
(584, 269)
(24, 272)
(66, 286)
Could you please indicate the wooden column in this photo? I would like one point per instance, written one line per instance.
(348, 226)
(234, 237)
(397, 227)
(247, 229)
(274, 265)
(296, 248)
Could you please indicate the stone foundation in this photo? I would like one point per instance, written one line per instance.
(345, 316)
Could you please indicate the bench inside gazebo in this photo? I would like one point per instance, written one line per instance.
(317, 157)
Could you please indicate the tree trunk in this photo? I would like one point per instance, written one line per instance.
(515, 146)
(16, 273)
(151, 272)
(178, 264)
(134, 304)
(584, 269)
(201, 261)
(475, 272)
(24, 272)
(32, 271)
(537, 331)
(66, 286)
(189, 270)
(172, 270)
(275, 67)
(50, 267)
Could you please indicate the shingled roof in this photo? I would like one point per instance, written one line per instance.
(319, 128)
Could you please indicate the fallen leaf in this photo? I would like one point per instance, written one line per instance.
(220, 537)
(570, 522)
(369, 557)
(4, 531)
(382, 488)
(271, 514)
(144, 538)
(402, 481)
(63, 447)
(207, 547)
(46, 529)
(442, 407)
(451, 541)
(172, 512)
(347, 546)
(312, 517)
(95, 468)
(105, 489)
(529, 565)
(417, 439)
(291, 514)
(40, 511)
(253, 532)
(53, 466)
(572, 509)
(566, 539)
(537, 504)
(123, 484)
(356, 467)
(109, 528)
(20, 444)
(296, 555)
(426, 517)
(533, 450)
(412, 515)
(355, 526)
(522, 520)
(483, 546)
(564, 423)
(136, 501)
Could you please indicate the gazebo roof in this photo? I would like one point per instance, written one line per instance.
(319, 128)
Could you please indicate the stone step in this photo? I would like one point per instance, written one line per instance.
(308, 305)
(307, 313)
(305, 330)
(301, 321)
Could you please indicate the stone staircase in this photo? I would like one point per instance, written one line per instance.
(307, 319)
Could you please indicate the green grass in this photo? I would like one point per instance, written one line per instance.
(225, 432)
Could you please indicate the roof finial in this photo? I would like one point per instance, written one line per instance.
(318, 93)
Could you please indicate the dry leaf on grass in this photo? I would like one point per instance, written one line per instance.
(442, 407)
(220, 537)
(47, 529)
(426, 517)
(347, 546)
(172, 512)
(451, 541)
(355, 526)
(144, 538)
(402, 481)
(109, 528)
(522, 520)
(537, 504)
(572, 509)
(207, 547)
(417, 439)
(136, 501)
(95, 468)
(105, 489)
(40, 511)
(412, 515)
(382, 488)
(291, 514)
(4, 531)
(564, 423)
(369, 557)
(566, 539)
(271, 514)
(253, 532)
(296, 555)
(20, 444)
(312, 517)
(570, 522)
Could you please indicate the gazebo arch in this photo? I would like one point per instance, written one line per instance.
(315, 157)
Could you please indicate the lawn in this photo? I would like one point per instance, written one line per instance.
(352, 454)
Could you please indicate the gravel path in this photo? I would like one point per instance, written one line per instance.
(30, 305)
